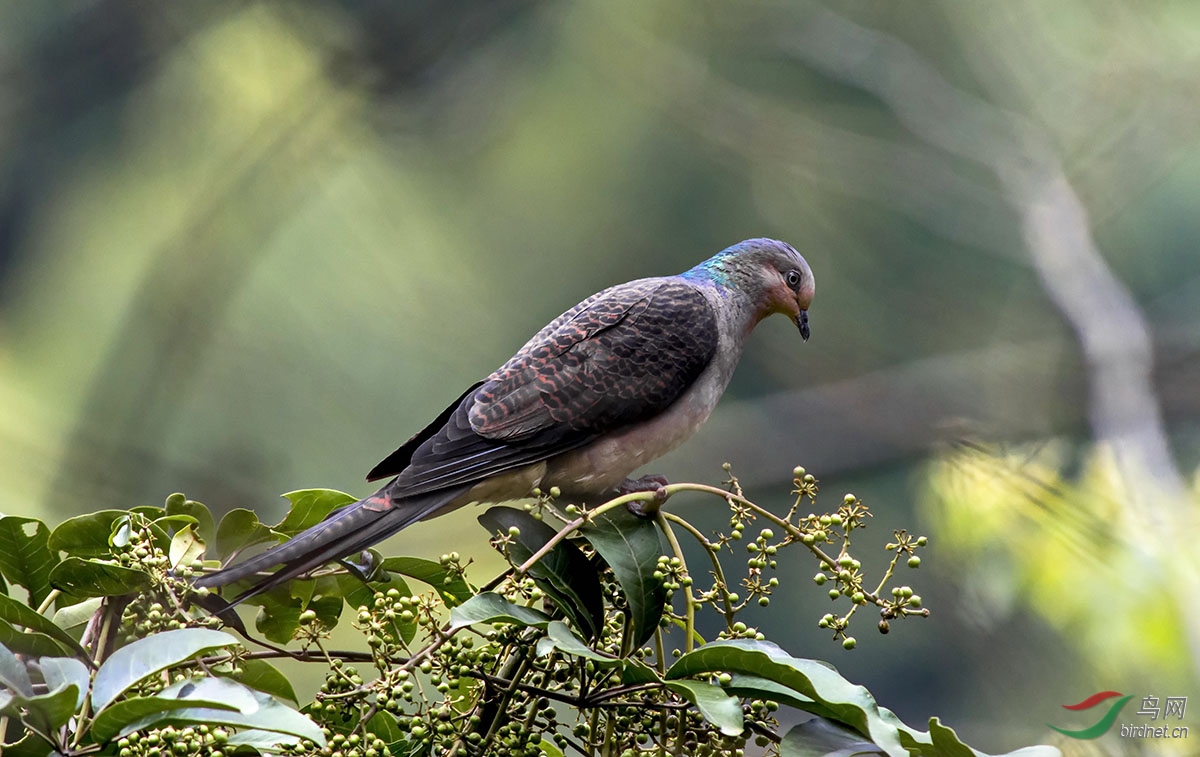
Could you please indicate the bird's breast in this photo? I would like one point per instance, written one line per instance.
(598, 468)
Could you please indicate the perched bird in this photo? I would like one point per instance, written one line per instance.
(616, 381)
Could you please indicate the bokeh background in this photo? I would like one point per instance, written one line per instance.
(250, 247)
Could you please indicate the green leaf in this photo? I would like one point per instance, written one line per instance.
(186, 546)
(631, 546)
(147, 656)
(946, 742)
(383, 725)
(45, 712)
(564, 573)
(240, 528)
(453, 589)
(18, 614)
(263, 676)
(820, 737)
(77, 614)
(95, 578)
(272, 716)
(635, 671)
(63, 671)
(278, 615)
(489, 607)
(717, 707)
(30, 746)
(13, 674)
(262, 741)
(29, 642)
(559, 636)
(756, 687)
(840, 700)
(197, 510)
(310, 507)
(86, 535)
(25, 556)
(549, 748)
(214, 693)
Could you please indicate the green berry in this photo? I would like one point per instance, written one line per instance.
(849, 643)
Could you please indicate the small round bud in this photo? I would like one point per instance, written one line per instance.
(798, 471)
(922, 541)
(834, 594)
(308, 616)
(555, 492)
(820, 579)
(849, 499)
(726, 467)
(514, 532)
(914, 600)
(914, 562)
(884, 626)
(849, 643)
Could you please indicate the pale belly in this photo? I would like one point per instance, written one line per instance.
(598, 468)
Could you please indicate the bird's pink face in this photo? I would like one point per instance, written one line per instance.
(790, 288)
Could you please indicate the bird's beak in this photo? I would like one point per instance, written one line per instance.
(802, 324)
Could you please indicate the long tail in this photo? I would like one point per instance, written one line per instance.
(351, 529)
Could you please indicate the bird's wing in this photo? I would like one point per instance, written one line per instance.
(619, 357)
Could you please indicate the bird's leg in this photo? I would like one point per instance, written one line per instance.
(651, 483)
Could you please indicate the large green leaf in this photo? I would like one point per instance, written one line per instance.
(25, 555)
(843, 701)
(86, 535)
(213, 693)
(77, 614)
(278, 615)
(271, 715)
(825, 738)
(450, 587)
(310, 507)
(46, 712)
(18, 614)
(560, 637)
(564, 573)
(757, 687)
(241, 528)
(95, 578)
(30, 746)
(62, 671)
(13, 675)
(717, 707)
(177, 504)
(489, 607)
(29, 642)
(186, 547)
(631, 546)
(263, 676)
(147, 656)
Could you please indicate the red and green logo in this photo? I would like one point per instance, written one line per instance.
(1103, 724)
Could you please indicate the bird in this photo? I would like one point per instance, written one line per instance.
(616, 381)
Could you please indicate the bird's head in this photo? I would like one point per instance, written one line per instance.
(770, 273)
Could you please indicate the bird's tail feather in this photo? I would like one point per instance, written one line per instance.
(348, 530)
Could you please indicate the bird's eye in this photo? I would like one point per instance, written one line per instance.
(793, 279)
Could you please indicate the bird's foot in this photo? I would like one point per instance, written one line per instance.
(651, 483)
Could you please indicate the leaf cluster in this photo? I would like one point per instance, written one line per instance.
(588, 644)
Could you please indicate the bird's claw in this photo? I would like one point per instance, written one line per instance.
(651, 483)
